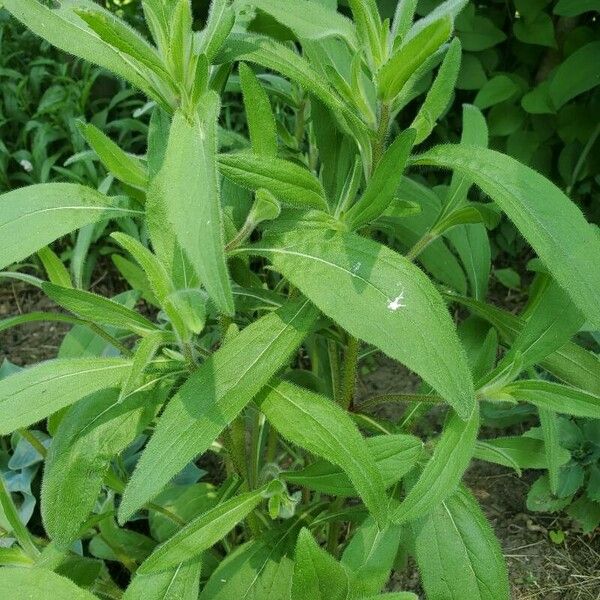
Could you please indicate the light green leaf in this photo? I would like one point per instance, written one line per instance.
(178, 583)
(384, 183)
(214, 395)
(444, 470)
(440, 93)
(33, 216)
(123, 166)
(317, 575)
(458, 554)
(370, 556)
(64, 29)
(187, 188)
(395, 455)
(524, 451)
(410, 56)
(54, 267)
(286, 180)
(221, 18)
(202, 533)
(550, 429)
(555, 396)
(88, 437)
(259, 114)
(551, 223)
(322, 427)
(26, 583)
(380, 297)
(308, 19)
(95, 308)
(35, 393)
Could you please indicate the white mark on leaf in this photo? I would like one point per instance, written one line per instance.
(397, 302)
(355, 268)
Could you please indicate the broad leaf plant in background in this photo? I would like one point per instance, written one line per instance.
(270, 260)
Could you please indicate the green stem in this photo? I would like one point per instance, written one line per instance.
(420, 245)
(582, 158)
(349, 373)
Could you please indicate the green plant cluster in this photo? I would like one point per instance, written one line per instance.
(209, 442)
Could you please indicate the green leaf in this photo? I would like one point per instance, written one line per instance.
(498, 89)
(552, 224)
(178, 583)
(64, 29)
(25, 583)
(578, 73)
(255, 570)
(268, 53)
(369, 29)
(440, 93)
(395, 455)
(259, 114)
(570, 363)
(550, 429)
(205, 531)
(308, 19)
(458, 554)
(214, 395)
(370, 556)
(555, 396)
(56, 271)
(91, 433)
(410, 56)
(33, 216)
(221, 18)
(524, 451)
(286, 180)
(123, 166)
(317, 575)
(444, 470)
(573, 8)
(384, 183)
(98, 309)
(322, 427)
(381, 298)
(157, 275)
(35, 393)
(187, 185)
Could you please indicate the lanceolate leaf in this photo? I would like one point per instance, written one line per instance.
(395, 455)
(555, 396)
(32, 217)
(26, 583)
(380, 297)
(443, 471)
(552, 224)
(410, 56)
(458, 554)
(65, 30)
(203, 532)
(384, 184)
(35, 393)
(80, 455)
(214, 395)
(259, 114)
(287, 181)
(186, 193)
(98, 309)
(550, 429)
(320, 426)
(178, 583)
(309, 20)
(123, 166)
